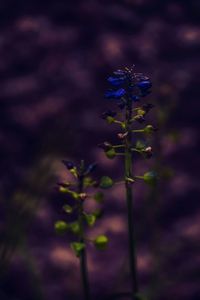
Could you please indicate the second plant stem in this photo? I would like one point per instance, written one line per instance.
(129, 200)
(83, 258)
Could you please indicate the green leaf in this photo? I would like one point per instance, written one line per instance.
(101, 242)
(77, 248)
(68, 209)
(75, 227)
(150, 178)
(111, 153)
(106, 182)
(99, 197)
(90, 219)
(61, 227)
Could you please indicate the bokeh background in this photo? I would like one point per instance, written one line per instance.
(54, 60)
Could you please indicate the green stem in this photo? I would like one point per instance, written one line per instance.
(138, 130)
(129, 199)
(83, 257)
(118, 146)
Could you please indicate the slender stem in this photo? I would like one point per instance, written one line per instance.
(117, 122)
(129, 199)
(138, 130)
(118, 146)
(83, 257)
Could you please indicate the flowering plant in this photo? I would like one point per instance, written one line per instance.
(79, 192)
(127, 89)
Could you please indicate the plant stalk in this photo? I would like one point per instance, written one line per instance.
(129, 200)
(83, 256)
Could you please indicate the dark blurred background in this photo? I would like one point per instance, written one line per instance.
(55, 57)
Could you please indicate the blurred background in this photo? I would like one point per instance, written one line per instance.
(55, 57)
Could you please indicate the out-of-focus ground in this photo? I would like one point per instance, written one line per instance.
(54, 60)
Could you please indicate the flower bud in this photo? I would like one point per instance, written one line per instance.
(83, 196)
(148, 152)
(150, 178)
(121, 136)
(61, 227)
(149, 129)
(111, 153)
(101, 242)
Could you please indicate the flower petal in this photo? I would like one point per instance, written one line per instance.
(145, 84)
(116, 81)
(115, 94)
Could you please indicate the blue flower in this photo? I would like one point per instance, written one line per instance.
(127, 82)
(115, 94)
(116, 81)
(119, 72)
(145, 84)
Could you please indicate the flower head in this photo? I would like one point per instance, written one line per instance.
(128, 84)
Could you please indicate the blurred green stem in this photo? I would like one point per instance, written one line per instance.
(83, 258)
(129, 199)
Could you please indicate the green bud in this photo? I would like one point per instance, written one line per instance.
(77, 248)
(111, 153)
(74, 172)
(106, 182)
(63, 189)
(101, 242)
(149, 129)
(141, 112)
(88, 181)
(75, 227)
(68, 209)
(90, 219)
(150, 178)
(110, 119)
(99, 197)
(61, 227)
(75, 195)
(140, 145)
